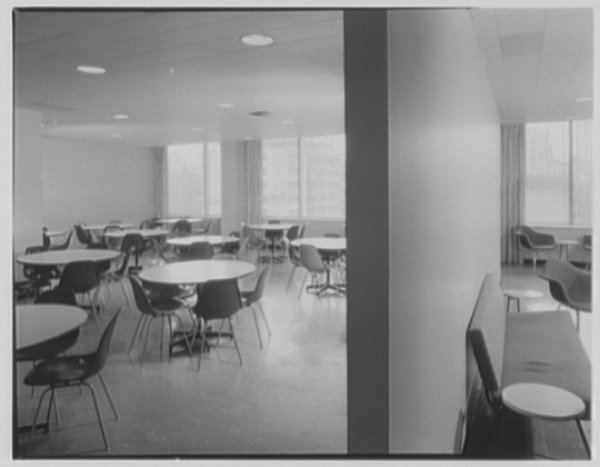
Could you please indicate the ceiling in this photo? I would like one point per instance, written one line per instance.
(169, 71)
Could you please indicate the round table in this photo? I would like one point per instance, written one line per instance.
(146, 233)
(329, 247)
(270, 228)
(39, 323)
(62, 257)
(197, 272)
(214, 240)
(169, 223)
(101, 227)
(546, 402)
(518, 294)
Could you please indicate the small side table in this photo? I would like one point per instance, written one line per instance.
(518, 294)
(546, 402)
(566, 245)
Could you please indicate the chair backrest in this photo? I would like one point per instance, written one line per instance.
(293, 232)
(150, 223)
(259, 288)
(204, 225)
(568, 284)
(132, 240)
(200, 250)
(65, 244)
(531, 238)
(218, 300)
(97, 360)
(141, 299)
(586, 242)
(111, 228)
(81, 276)
(182, 228)
(35, 249)
(45, 237)
(83, 235)
(57, 295)
(311, 259)
(124, 268)
(302, 231)
(36, 272)
(294, 254)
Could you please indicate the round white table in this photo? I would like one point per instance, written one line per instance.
(519, 294)
(270, 228)
(214, 240)
(146, 233)
(329, 248)
(171, 222)
(101, 227)
(62, 257)
(197, 272)
(546, 402)
(36, 324)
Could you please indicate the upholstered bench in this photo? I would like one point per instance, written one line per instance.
(536, 347)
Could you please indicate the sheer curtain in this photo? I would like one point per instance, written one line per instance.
(254, 181)
(512, 193)
(160, 192)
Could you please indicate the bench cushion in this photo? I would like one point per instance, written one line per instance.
(544, 347)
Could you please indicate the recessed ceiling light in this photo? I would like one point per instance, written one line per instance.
(121, 117)
(256, 40)
(91, 70)
(288, 122)
(225, 105)
(197, 129)
(583, 99)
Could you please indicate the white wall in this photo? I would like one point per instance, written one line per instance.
(444, 217)
(96, 182)
(27, 202)
(233, 185)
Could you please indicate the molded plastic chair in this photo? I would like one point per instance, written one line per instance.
(74, 370)
(586, 244)
(217, 301)
(65, 245)
(535, 241)
(182, 228)
(133, 241)
(39, 276)
(203, 227)
(82, 278)
(200, 250)
(294, 257)
(569, 285)
(161, 309)
(85, 238)
(312, 261)
(119, 275)
(251, 299)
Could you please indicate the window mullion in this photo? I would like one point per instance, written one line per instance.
(571, 149)
(300, 180)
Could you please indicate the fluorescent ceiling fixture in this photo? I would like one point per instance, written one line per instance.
(120, 117)
(583, 99)
(257, 40)
(225, 105)
(288, 122)
(91, 70)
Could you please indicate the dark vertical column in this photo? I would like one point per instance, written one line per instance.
(367, 230)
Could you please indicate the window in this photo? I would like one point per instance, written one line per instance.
(304, 178)
(193, 180)
(558, 165)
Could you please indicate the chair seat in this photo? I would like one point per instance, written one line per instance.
(57, 370)
(167, 304)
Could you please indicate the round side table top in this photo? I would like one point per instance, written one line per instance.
(522, 293)
(543, 401)
(212, 239)
(61, 257)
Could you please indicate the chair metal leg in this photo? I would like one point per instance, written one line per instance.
(56, 415)
(52, 398)
(94, 313)
(148, 326)
(302, 285)
(202, 340)
(35, 417)
(237, 347)
(577, 319)
(257, 326)
(289, 282)
(135, 333)
(110, 401)
(162, 329)
(106, 446)
(264, 316)
(124, 289)
(183, 333)
(584, 438)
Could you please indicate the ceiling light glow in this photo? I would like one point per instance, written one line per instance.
(121, 117)
(288, 122)
(584, 99)
(225, 105)
(91, 70)
(257, 40)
